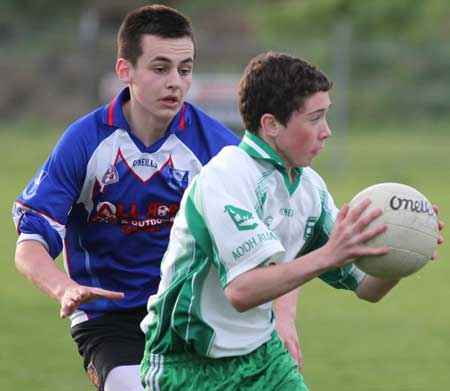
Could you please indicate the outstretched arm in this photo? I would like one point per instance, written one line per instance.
(35, 263)
(347, 242)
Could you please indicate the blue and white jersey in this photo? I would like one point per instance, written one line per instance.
(108, 201)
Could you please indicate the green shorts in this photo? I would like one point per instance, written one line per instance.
(270, 367)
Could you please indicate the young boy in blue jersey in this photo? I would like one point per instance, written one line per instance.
(107, 195)
(255, 224)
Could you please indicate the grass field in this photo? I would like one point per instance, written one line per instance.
(400, 344)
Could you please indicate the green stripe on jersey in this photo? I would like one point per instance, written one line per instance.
(177, 311)
(198, 228)
(344, 277)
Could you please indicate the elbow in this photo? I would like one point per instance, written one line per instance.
(374, 289)
(18, 265)
(368, 295)
(371, 299)
(371, 296)
(19, 260)
(26, 252)
(236, 299)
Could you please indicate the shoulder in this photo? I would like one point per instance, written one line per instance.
(231, 174)
(230, 162)
(229, 158)
(312, 177)
(319, 190)
(88, 124)
(232, 169)
(211, 126)
(86, 132)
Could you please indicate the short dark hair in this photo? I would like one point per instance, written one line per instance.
(278, 84)
(156, 19)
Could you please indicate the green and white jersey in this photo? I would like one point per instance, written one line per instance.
(242, 211)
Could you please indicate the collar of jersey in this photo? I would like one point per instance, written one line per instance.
(113, 114)
(259, 149)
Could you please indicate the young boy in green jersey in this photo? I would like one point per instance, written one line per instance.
(256, 223)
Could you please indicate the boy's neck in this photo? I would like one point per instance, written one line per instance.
(145, 128)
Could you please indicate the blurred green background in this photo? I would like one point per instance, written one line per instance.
(390, 119)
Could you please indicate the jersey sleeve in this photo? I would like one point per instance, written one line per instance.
(344, 277)
(222, 217)
(41, 210)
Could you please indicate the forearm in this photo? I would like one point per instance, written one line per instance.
(264, 284)
(286, 305)
(346, 243)
(34, 262)
(373, 289)
(285, 308)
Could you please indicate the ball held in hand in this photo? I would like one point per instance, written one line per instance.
(412, 230)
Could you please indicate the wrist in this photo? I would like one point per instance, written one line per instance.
(61, 288)
(323, 259)
(285, 314)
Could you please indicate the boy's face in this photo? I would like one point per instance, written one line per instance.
(303, 137)
(161, 77)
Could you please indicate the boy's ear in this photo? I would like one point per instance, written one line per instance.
(123, 68)
(269, 125)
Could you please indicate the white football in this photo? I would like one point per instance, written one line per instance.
(412, 230)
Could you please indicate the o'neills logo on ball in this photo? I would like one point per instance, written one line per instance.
(417, 206)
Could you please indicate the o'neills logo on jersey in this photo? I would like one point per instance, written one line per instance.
(243, 219)
(417, 206)
(145, 163)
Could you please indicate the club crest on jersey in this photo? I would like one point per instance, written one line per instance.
(179, 177)
(32, 188)
(111, 175)
(243, 219)
(309, 229)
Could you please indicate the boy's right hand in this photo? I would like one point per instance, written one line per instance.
(348, 238)
(73, 297)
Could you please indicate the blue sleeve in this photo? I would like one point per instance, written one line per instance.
(43, 207)
(210, 135)
(33, 223)
(219, 136)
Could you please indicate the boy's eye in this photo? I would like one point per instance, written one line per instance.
(317, 116)
(185, 71)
